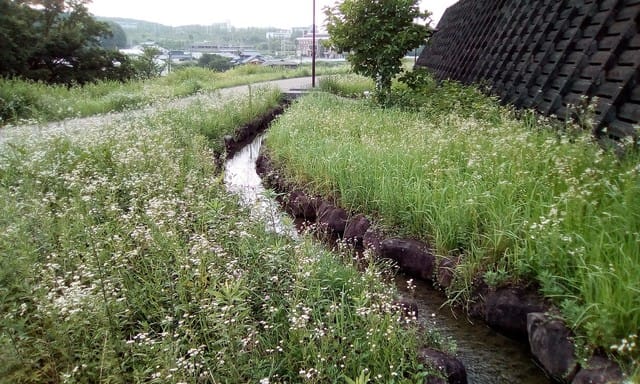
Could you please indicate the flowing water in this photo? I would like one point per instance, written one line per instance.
(489, 357)
(241, 178)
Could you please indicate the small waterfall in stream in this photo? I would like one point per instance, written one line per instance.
(241, 178)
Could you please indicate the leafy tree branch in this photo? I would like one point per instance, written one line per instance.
(376, 34)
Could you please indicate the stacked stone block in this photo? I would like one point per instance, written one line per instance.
(550, 55)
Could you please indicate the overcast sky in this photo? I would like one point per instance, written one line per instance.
(240, 13)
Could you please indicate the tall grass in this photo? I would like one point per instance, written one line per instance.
(521, 200)
(347, 85)
(215, 123)
(125, 260)
(25, 100)
(22, 101)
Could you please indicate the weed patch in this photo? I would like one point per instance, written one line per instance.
(125, 260)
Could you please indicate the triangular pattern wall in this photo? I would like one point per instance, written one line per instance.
(546, 54)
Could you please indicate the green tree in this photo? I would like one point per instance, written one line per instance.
(55, 41)
(375, 35)
(118, 38)
(215, 62)
(148, 66)
(17, 38)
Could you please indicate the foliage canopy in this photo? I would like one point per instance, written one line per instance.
(55, 41)
(118, 38)
(216, 62)
(376, 34)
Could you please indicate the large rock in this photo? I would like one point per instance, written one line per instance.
(372, 240)
(270, 176)
(446, 271)
(356, 227)
(263, 165)
(449, 366)
(300, 205)
(599, 370)
(413, 257)
(331, 218)
(479, 292)
(551, 345)
(506, 310)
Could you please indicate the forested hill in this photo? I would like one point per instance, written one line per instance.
(138, 31)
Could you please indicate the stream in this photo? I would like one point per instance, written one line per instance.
(487, 356)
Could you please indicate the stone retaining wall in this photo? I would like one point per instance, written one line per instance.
(546, 55)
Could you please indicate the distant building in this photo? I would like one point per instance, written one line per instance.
(210, 47)
(290, 64)
(138, 50)
(305, 46)
(127, 24)
(254, 59)
(299, 31)
(177, 56)
(280, 34)
(224, 25)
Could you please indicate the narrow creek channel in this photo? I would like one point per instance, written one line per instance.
(487, 356)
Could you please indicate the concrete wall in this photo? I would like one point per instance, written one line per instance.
(546, 54)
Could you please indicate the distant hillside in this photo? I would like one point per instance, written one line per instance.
(138, 31)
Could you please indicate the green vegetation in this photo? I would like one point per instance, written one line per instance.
(347, 85)
(25, 100)
(520, 199)
(375, 36)
(147, 66)
(56, 42)
(214, 126)
(118, 38)
(215, 62)
(125, 260)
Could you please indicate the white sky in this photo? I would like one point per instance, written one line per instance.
(240, 13)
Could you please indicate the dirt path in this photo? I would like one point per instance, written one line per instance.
(74, 125)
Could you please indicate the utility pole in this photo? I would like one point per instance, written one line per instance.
(313, 48)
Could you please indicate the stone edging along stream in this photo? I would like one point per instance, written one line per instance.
(515, 311)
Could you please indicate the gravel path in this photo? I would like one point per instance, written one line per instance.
(74, 125)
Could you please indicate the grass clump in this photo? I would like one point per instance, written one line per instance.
(22, 101)
(125, 260)
(214, 123)
(347, 85)
(519, 199)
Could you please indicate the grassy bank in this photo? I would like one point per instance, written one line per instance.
(125, 260)
(351, 86)
(21, 100)
(518, 199)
